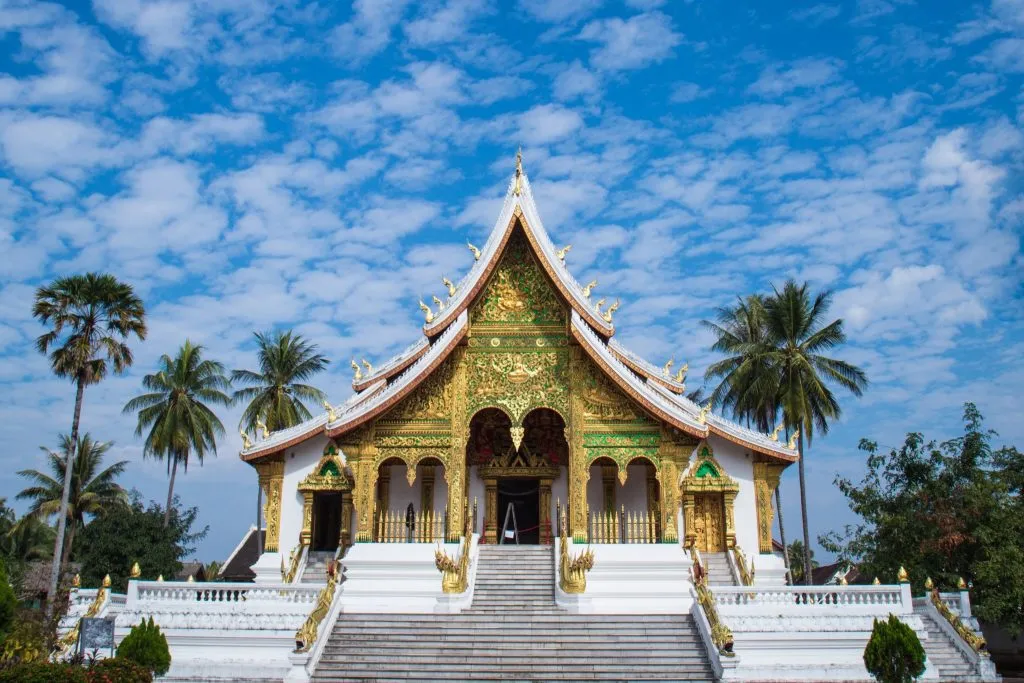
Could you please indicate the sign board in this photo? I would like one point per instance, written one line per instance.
(96, 634)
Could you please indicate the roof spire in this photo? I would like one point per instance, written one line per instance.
(517, 189)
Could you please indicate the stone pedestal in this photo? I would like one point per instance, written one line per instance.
(268, 568)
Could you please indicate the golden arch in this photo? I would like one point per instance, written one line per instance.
(706, 480)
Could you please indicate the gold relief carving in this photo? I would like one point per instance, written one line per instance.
(413, 441)
(766, 480)
(307, 518)
(455, 465)
(706, 488)
(519, 292)
(430, 400)
(579, 470)
(271, 480)
(601, 398)
(517, 382)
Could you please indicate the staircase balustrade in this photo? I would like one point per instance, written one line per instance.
(721, 636)
(745, 570)
(306, 636)
(396, 526)
(572, 571)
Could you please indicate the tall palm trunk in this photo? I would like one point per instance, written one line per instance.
(57, 564)
(782, 533)
(66, 557)
(808, 579)
(170, 491)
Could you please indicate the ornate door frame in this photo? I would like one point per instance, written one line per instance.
(706, 475)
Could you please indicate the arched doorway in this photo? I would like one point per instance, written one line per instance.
(708, 496)
(406, 506)
(327, 504)
(624, 502)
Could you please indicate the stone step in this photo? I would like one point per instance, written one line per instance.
(386, 674)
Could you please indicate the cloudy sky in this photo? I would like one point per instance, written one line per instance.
(249, 165)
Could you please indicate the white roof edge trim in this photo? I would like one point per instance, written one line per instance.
(635, 382)
(245, 537)
(396, 360)
(644, 363)
(725, 424)
(529, 208)
(402, 380)
(284, 435)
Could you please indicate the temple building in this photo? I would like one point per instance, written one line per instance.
(519, 496)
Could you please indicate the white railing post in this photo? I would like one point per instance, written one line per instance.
(965, 604)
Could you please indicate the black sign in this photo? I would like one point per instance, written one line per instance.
(96, 634)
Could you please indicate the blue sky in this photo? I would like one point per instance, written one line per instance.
(320, 166)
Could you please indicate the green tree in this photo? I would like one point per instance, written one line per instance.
(8, 603)
(29, 539)
(777, 366)
(93, 489)
(942, 510)
(795, 550)
(276, 393)
(136, 533)
(176, 413)
(91, 317)
(894, 653)
(147, 647)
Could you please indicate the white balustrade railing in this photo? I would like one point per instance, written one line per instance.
(179, 592)
(765, 601)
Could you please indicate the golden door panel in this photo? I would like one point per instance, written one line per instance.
(709, 522)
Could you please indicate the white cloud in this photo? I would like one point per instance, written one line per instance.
(547, 123)
(574, 81)
(816, 14)
(633, 43)
(34, 145)
(446, 25)
(369, 30)
(779, 79)
(163, 25)
(685, 91)
(556, 11)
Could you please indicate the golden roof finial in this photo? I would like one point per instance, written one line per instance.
(607, 316)
(703, 416)
(902, 576)
(792, 439)
(439, 304)
(359, 371)
(562, 252)
(681, 375)
(448, 283)
(876, 582)
(429, 314)
(476, 252)
(191, 579)
(843, 581)
(369, 368)
(262, 427)
(136, 571)
(599, 304)
(106, 581)
(775, 432)
(160, 578)
(668, 366)
(589, 288)
(331, 416)
(517, 189)
(246, 441)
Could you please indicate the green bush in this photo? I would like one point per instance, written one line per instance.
(8, 603)
(145, 645)
(118, 670)
(44, 672)
(894, 653)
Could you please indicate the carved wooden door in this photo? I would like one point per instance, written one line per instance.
(709, 522)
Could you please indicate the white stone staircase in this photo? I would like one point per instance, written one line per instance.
(315, 570)
(943, 653)
(719, 573)
(513, 631)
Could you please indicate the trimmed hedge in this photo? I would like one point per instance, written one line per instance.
(894, 654)
(115, 670)
(146, 646)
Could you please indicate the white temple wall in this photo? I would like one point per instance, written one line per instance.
(739, 465)
(400, 494)
(634, 493)
(440, 490)
(299, 461)
(476, 491)
(560, 493)
(595, 489)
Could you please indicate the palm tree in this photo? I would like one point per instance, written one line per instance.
(175, 410)
(92, 317)
(275, 393)
(29, 539)
(92, 490)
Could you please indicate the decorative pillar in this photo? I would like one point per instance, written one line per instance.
(653, 499)
(346, 520)
(545, 511)
(689, 507)
(491, 511)
(307, 518)
(766, 480)
(271, 480)
(364, 469)
(455, 472)
(579, 469)
(383, 502)
(729, 498)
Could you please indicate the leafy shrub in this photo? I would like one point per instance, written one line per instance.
(44, 672)
(894, 653)
(145, 645)
(8, 603)
(118, 670)
(27, 641)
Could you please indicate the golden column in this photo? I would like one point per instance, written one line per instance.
(545, 512)
(361, 452)
(271, 481)
(491, 510)
(455, 469)
(306, 535)
(766, 480)
(579, 470)
(672, 453)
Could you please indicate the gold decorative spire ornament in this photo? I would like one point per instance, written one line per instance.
(136, 571)
(703, 417)
(439, 304)
(262, 427)
(792, 439)
(599, 304)
(246, 441)
(428, 314)
(928, 583)
(589, 288)
(160, 578)
(562, 252)
(902, 576)
(843, 581)
(668, 366)
(961, 584)
(448, 283)
(359, 372)
(331, 416)
(369, 368)
(607, 315)
(76, 582)
(876, 582)
(476, 252)
(681, 375)
(106, 581)
(775, 432)
(517, 188)
(191, 579)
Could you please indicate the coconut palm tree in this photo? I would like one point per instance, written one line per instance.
(91, 317)
(93, 490)
(176, 413)
(275, 393)
(29, 539)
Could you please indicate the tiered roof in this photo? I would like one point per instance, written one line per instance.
(651, 386)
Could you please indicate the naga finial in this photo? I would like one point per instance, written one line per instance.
(448, 283)
(902, 576)
(681, 375)
(262, 427)
(427, 312)
(476, 252)
(599, 304)
(369, 368)
(246, 441)
(331, 416)
(517, 188)
(562, 252)
(106, 581)
(775, 432)
(589, 288)
(439, 304)
(792, 439)
(703, 417)
(607, 316)
(136, 571)
(359, 372)
(668, 366)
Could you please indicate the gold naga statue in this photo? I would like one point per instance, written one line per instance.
(451, 288)
(476, 252)
(262, 427)
(246, 441)
(668, 366)
(681, 375)
(429, 314)
(359, 372)
(369, 368)
(607, 315)
(439, 304)
(589, 288)
(562, 252)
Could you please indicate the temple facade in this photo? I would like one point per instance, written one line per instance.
(517, 396)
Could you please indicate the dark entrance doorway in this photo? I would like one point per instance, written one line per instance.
(326, 521)
(524, 496)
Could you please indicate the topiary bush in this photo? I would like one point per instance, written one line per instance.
(145, 645)
(894, 653)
